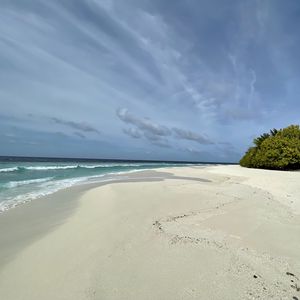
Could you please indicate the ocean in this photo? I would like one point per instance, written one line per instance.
(25, 179)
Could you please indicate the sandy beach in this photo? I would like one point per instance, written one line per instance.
(216, 232)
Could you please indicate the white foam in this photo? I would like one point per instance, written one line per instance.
(65, 167)
(45, 168)
(51, 186)
(14, 184)
(48, 186)
(9, 169)
(87, 166)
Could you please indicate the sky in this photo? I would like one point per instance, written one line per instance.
(187, 80)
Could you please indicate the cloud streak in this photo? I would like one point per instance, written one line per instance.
(143, 124)
(201, 71)
(156, 133)
(133, 132)
(81, 126)
(191, 136)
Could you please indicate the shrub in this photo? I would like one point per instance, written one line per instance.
(279, 150)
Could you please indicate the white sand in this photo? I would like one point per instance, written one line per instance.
(235, 237)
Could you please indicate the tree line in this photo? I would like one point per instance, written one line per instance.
(277, 150)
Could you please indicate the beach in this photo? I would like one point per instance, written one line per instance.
(196, 232)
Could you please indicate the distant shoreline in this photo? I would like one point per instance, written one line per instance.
(4, 158)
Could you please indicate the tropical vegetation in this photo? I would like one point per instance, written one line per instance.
(278, 150)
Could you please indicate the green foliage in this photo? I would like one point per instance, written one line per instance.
(260, 139)
(279, 149)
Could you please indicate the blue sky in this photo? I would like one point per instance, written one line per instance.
(146, 79)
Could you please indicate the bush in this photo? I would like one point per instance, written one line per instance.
(278, 150)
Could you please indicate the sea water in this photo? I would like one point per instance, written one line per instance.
(25, 179)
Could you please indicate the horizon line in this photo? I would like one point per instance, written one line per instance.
(15, 157)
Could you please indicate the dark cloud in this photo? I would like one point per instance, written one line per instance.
(161, 143)
(152, 132)
(157, 133)
(143, 124)
(82, 126)
(133, 132)
(61, 134)
(157, 140)
(79, 134)
(191, 136)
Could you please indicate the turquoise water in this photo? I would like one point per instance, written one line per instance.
(22, 181)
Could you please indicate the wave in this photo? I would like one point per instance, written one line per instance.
(66, 167)
(46, 188)
(14, 184)
(49, 186)
(45, 168)
(12, 169)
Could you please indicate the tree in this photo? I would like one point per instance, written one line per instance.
(260, 139)
(279, 149)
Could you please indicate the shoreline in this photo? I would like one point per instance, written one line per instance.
(56, 185)
(51, 211)
(200, 230)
